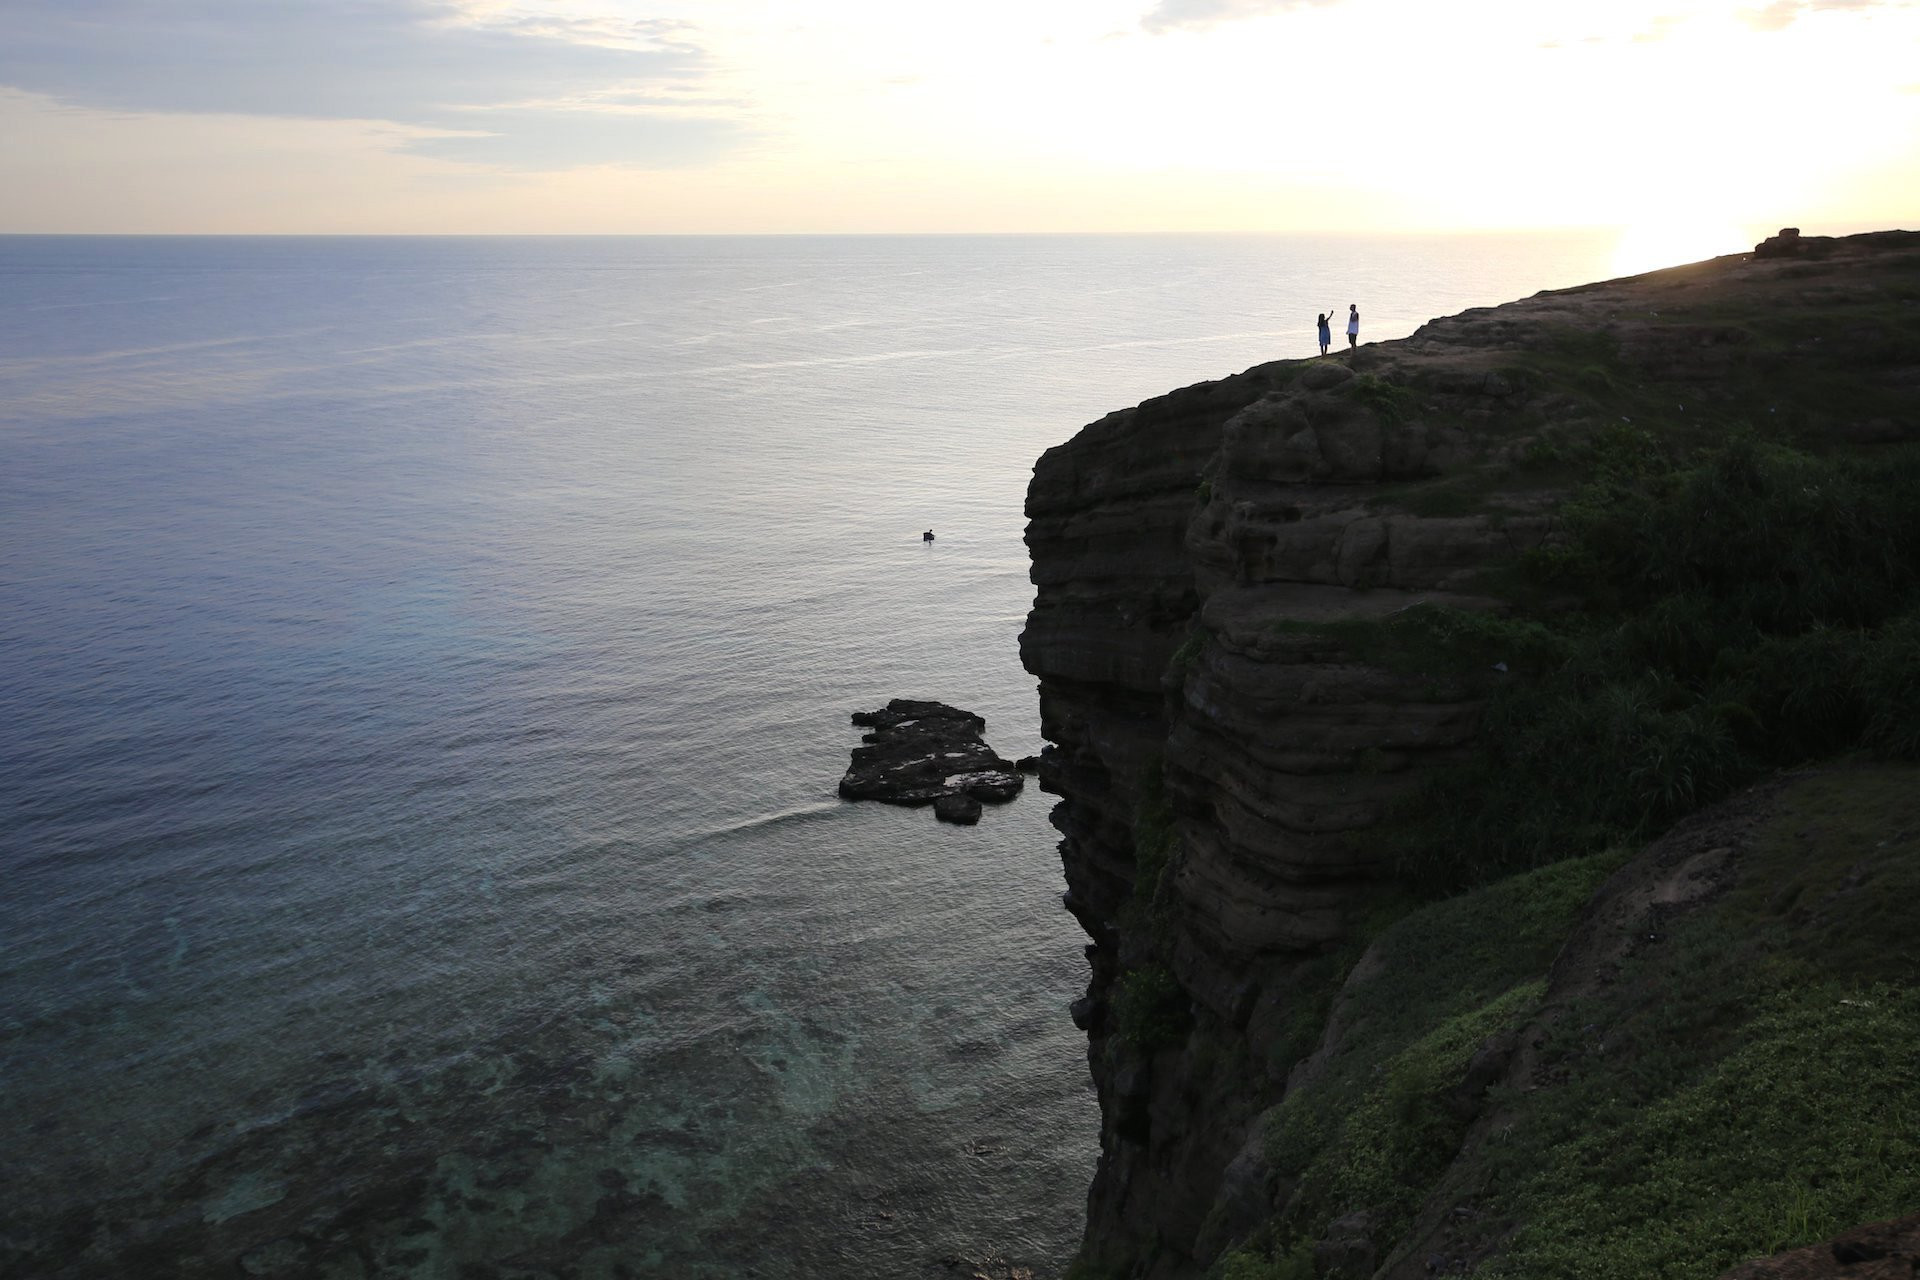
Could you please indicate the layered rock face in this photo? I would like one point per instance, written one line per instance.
(1224, 760)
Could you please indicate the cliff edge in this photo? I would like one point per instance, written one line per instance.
(1368, 681)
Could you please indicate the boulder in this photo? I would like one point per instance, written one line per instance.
(1322, 377)
(959, 808)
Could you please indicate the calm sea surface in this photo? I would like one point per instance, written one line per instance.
(424, 673)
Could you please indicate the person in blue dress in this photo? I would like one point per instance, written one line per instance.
(1326, 333)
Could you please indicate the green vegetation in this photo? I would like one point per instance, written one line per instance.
(1739, 609)
(1771, 374)
(1311, 994)
(1149, 1008)
(1373, 1129)
(1731, 592)
(1478, 492)
(1803, 1131)
(1712, 613)
(1747, 1086)
(1154, 837)
(1606, 459)
(1798, 385)
(1428, 640)
(1389, 401)
(1582, 359)
(1404, 1130)
(1187, 654)
(1743, 1082)
(1295, 1264)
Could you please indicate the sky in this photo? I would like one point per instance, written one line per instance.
(1677, 120)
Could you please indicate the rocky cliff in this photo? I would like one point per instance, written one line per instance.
(1278, 621)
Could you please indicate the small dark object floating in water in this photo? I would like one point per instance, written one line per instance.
(928, 753)
(927, 536)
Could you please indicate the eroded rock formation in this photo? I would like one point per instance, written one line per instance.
(921, 753)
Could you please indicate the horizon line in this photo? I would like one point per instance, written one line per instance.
(1342, 233)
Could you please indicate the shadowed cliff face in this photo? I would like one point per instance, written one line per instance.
(1225, 761)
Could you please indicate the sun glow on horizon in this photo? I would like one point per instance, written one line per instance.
(1654, 244)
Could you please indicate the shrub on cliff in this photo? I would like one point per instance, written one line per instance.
(1750, 607)
(1149, 1008)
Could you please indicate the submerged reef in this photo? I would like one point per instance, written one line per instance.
(1486, 778)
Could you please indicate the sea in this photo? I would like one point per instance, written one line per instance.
(425, 669)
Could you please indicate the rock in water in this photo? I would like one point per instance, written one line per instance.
(928, 753)
(963, 809)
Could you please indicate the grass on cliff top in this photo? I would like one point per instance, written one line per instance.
(1391, 402)
(1792, 376)
(1791, 368)
(1369, 1129)
(1808, 371)
(1750, 1083)
(1746, 1083)
(1705, 618)
(1804, 1129)
(1794, 370)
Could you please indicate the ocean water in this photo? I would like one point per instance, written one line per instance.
(424, 672)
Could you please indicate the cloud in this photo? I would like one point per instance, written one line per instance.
(1197, 15)
(522, 91)
(576, 139)
(1782, 13)
(1658, 29)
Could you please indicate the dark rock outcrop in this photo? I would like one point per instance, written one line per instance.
(1789, 243)
(960, 808)
(1878, 1251)
(921, 753)
(1221, 753)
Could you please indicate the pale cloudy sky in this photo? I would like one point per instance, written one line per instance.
(883, 115)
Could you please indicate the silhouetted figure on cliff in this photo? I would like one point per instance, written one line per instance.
(1326, 332)
(1353, 325)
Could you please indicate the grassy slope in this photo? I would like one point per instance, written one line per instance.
(1745, 1083)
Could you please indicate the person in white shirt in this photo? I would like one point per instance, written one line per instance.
(1353, 325)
